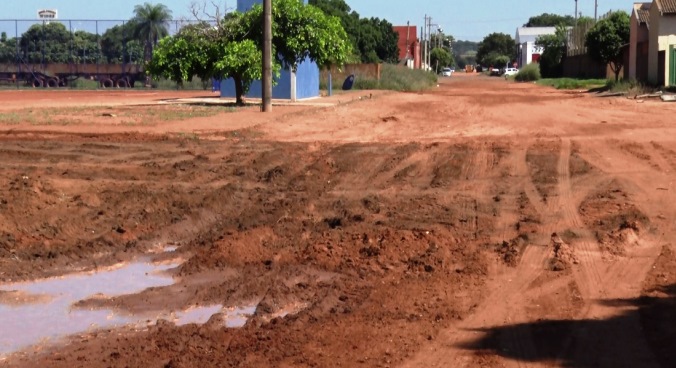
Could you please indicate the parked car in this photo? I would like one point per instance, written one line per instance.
(446, 72)
(510, 71)
(495, 72)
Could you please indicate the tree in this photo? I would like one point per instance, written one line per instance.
(554, 51)
(151, 24)
(373, 40)
(605, 40)
(46, 43)
(3, 37)
(119, 46)
(496, 47)
(441, 58)
(550, 20)
(233, 48)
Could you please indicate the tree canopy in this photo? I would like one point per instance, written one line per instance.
(150, 21)
(554, 51)
(496, 49)
(550, 20)
(372, 39)
(441, 58)
(605, 40)
(233, 48)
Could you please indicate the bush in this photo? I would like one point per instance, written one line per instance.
(528, 73)
(398, 78)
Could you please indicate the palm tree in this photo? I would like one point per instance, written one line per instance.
(151, 22)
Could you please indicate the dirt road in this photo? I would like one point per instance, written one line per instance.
(482, 224)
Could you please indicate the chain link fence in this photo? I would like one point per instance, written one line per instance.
(77, 54)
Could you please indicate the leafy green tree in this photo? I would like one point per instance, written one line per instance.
(8, 51)
(233, 48)
(118, 44)
(605, 40)
(441, 58)
(151, 22)
(373, 40)
(48, 43)
(3, 37)
(496, 45)
(550, 20)
(85, 48)
(554, 51)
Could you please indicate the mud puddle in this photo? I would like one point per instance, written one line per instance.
(42, 312)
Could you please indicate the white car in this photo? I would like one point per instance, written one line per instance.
(446, 72)
(510, 71)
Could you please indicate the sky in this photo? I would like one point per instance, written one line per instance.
(464, 20)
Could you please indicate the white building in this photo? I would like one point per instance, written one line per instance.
(527, 51)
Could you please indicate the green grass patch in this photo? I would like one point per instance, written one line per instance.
(398, 78)
(572, 83)
(528, 73)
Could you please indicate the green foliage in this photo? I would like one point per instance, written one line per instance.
(233, 48)
(571, 83)
(441, 58)
(554, 52)
(528, 73)
(631, 86)
(605, 40)
(399, 78)
(372, 39)
(118, 44)
(150, 22)
(494, 46)
(495, 59)
(464, 52)
(550, 20)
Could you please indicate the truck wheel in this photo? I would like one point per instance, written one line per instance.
(37, 83)
(122, 83)
(107, 83)
(52, 83)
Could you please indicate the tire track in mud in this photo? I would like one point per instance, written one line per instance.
(600, 280)
(591, 280)
(496, 309)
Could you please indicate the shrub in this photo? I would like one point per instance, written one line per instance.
(398, 78)
(528, 73)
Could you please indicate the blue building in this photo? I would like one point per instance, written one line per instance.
(291, 86)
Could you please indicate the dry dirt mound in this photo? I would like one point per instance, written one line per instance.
(563, 255)
(615, 220)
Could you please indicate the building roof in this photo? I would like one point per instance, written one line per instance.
(666, 6)
(531, 34)
(642, 13)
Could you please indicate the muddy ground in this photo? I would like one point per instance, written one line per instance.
(484, 223)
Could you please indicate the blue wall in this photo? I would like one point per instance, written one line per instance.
(307, 76)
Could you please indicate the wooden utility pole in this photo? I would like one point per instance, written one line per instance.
(267, 56)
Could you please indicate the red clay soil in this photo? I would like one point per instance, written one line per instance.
(483, 223)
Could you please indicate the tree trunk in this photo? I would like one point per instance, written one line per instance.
(239, 90)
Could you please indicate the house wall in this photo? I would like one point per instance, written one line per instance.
(662, 36)
(653, 47)
(667, 38)
(633, 41)
(583, 66)
(530, 52)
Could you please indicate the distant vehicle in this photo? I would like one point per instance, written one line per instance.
(511, 71)
(446, 72)
(495, 72)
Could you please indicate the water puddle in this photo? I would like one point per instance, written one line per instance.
(41, 311)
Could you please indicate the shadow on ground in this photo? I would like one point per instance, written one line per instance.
(643, 334)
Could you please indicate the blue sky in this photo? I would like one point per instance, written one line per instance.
(470, 20)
